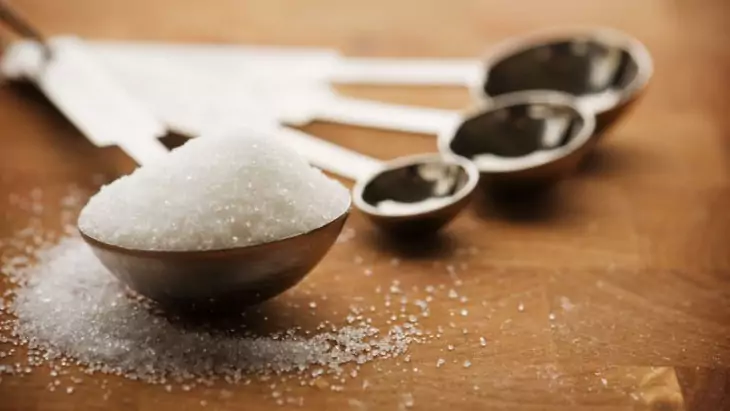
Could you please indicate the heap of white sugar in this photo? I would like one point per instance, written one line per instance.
(217, 191)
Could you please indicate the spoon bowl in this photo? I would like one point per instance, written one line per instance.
(416, 194)
(523, 138)
(606, 70)
(229, 278)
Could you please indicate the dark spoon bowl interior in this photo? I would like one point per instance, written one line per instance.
(605, 70)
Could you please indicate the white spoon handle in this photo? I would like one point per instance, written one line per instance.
(143, 150)
(379, 115)
(413, 72)
(327, 156)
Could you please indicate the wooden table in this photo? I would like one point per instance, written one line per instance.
(630, 256)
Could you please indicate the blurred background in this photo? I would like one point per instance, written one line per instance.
(647, 215)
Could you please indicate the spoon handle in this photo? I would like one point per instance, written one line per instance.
(414, 72)
(387, 116)
(93, 102)
(143, 150)
(329, 157)
(23, 27)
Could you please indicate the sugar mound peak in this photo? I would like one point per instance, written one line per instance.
(217, 191)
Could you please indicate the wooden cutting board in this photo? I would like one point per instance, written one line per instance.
(612, 293)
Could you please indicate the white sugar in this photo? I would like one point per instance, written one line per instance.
(215, 192)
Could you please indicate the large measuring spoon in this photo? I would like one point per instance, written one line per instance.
(407, 195)
(221, 278)
(217, 279)
(605, 69)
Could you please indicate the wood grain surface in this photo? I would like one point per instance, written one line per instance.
(631, 256)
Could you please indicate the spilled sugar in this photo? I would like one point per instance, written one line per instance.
(104, 329)
(224, 190)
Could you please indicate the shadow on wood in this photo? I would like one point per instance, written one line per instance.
(526, 204)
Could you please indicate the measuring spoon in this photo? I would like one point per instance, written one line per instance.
(407, 195)
(218, 279)
(192, 279)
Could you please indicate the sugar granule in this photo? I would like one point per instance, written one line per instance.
(217, 191)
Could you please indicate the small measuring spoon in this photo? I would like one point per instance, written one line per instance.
(412, 194)
(605, 69)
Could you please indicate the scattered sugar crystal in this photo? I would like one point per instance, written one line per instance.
(551, 317)
(357, 404)
(368, 272)
(346, 235)
(521, 307)
(464, 312)
(453, 294)
(218, 191)
(566, 304)
(440, 362)
(408, 400)
(450, 347)
(482, 341)
(467, 364)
